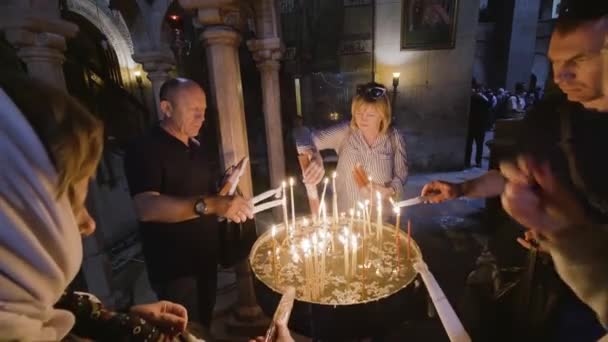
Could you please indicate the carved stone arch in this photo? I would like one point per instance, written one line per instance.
(113, 26)
(149, 29)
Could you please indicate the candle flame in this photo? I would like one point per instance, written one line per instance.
(305, 245)
(284, 184)
(351, 211)
(360, 205)
(353, 241)
(397, 210)
(291, 181)
(326, 180)
(334, 175)
(273, 230)
(378, 196)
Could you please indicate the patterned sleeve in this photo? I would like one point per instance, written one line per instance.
(330, 138)
(400, 171)
(95, 322)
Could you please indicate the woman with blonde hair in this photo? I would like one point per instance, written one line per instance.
(50, 146)
(367, 147)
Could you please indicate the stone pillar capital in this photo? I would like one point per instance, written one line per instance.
(157, 65)
(215, 12)
(220, 35)
(40, 41)
(155, 61)
(266, 52)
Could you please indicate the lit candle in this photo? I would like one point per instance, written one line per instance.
(357, 221)
(285, 215)
(322, 203)
(379, 218)
(409, 237)
(352, 217)
(274, 254)
(344, 240)
(354, 256)
(334, 197)
(307, 266)
(397, 239)
(324, 213)
(305, 222)
(323, 245)
(293, 210)
(315, 261)
(368, 215)
(370, 201)
(361, 214)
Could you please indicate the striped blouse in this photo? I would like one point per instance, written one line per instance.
(385, 161)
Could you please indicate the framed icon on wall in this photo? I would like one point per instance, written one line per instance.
(428, 24)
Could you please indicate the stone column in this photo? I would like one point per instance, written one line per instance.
(267, 53)
(157, 65)
(221, 45)
(516, 41)
(39, 35)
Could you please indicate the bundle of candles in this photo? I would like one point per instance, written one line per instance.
(337, 260)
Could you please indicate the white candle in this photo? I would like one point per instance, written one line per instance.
(307, 266)
(323, 252)
(358, 218)
(352, 217)
(379, 218)
(344, 241)
(305, 222)
(273, 232)
(285, 215)
(324, 213)
(325, 182)
(368, 214)
(315, 261)
(371, 200)
(354, 256)
(335, 197)
(293, 210)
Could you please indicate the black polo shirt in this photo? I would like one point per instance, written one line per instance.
(160, 162)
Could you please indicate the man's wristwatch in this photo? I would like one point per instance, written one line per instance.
(200, 207)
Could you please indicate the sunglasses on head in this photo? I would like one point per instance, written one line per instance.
(371, 93)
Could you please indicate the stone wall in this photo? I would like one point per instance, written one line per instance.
(435, 86)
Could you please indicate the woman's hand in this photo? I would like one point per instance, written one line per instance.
(385, 191)
(315, 171)
(169, 317)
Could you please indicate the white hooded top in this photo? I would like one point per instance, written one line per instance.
(40, 245)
